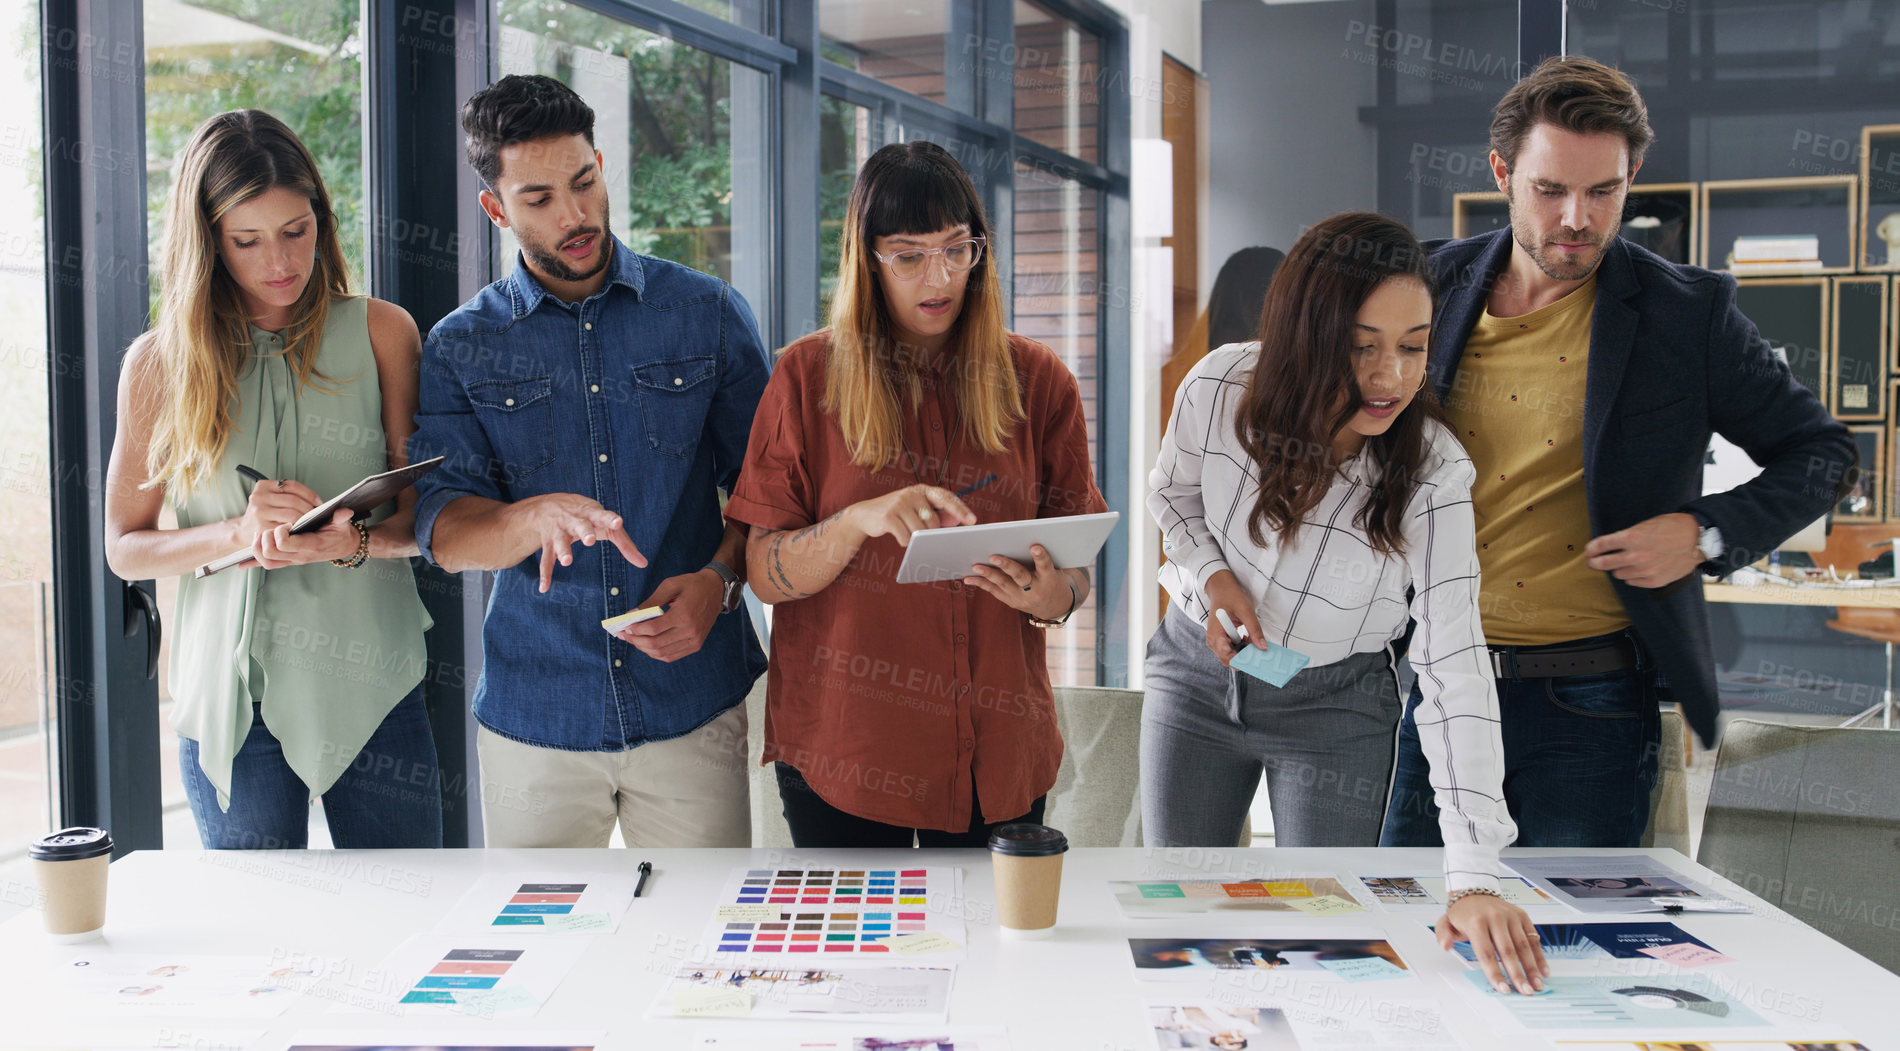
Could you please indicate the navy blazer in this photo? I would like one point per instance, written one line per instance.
(1671, 360)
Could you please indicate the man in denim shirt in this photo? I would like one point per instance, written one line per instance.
(590, 405)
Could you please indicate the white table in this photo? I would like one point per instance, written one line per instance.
(1075, 992)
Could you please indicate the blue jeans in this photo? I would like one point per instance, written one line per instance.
(1579, 763)
(391, 796)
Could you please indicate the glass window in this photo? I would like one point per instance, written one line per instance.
(1058, 82)
(902, 44)
(28, 800)
(844, 144)
(301, 62)
(684, 135)
(1054, 289)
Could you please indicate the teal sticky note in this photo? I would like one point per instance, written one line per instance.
(1364, 968)
(1161, 890)
(1274, 664)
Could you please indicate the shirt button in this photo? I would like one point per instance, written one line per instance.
(589, 326)
(595, 388)
(968, 744)
(965, 688)
(616, 662)
(507, 401)
(935, 425)
(962, 637)
(613, 591)
(603, 457)
(677, 382)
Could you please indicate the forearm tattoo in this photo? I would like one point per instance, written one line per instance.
(776, 569)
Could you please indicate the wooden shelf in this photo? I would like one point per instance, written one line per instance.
(1732, 188)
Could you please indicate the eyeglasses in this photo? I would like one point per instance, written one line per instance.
(909, 264)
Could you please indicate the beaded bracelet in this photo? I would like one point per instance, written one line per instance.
(361, 555)
(1466, 892)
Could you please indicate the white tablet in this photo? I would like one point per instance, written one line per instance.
(948, 553)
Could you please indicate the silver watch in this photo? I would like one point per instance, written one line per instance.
(731, 599)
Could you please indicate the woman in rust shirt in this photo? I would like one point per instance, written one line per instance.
(899, 708)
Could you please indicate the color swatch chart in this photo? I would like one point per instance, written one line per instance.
(835, 911)
(541, 903)
(462, 969)
(828, 886)
(431, 975)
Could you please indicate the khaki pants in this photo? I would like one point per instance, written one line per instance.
(690, 791)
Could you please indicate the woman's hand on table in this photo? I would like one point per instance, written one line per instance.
(904, 512)
(1040, 590)
(1503, 939)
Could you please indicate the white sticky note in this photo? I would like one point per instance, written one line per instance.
(918, 944)
(718, 1002)
(1324, 905)
(586, 921)
(1685, 954)
(765, 913)
(496, 1001)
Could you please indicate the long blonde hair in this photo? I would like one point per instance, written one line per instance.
(914, 188)
(202, 337)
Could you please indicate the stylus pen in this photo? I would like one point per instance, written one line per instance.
(646, 869)
(252, 473)
(978, 484)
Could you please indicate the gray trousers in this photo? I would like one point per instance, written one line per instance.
(1324, 742)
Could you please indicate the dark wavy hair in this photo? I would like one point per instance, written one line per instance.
(520, 108)
(1302, 390)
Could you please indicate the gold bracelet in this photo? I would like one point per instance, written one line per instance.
(361, 555)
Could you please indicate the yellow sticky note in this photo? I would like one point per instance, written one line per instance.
(1288, 889)
(717, 1002)
(918, 944)
(632, 616)
(747, 912)
(1325, 905)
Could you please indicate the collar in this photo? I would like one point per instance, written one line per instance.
(525, 293)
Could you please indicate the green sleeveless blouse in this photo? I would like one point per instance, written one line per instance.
(325, 652)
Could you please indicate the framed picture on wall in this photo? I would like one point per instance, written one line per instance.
(1859, 348)
(1866, 501)
(1781, 226)
(1880, 197)
(1479, 213)
(1792, 315)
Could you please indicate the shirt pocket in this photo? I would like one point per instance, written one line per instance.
(518, 417)
(674, 397)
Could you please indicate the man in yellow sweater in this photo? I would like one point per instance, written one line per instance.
(1584, 375)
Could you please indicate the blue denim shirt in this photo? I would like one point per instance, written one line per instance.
(640, 397)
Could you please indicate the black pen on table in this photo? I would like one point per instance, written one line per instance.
(646, 869)
(978, 484)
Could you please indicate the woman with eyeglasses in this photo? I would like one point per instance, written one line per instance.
(901, 711)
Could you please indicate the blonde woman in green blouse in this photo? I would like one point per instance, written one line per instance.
(296, 675)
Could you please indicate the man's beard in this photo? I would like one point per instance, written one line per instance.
(552, 263)
(1559, 271)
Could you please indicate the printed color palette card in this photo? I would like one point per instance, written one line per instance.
(486, 976)
(1164, 896)
(539, 903)
(835, 912)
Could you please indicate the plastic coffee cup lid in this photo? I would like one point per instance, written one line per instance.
(71, 844)
(1028, 841)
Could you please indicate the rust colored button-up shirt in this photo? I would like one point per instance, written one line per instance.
(897, 701)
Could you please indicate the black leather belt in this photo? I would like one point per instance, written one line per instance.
(1561, 659)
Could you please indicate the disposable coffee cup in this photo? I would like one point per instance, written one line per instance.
(70, 867)
(1028, 868)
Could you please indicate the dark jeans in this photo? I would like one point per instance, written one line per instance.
(816, 823)
(1579, 763)
(391, 796)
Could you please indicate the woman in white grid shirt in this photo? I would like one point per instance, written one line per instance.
(1305, 483)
